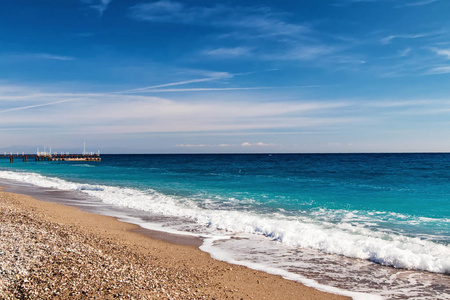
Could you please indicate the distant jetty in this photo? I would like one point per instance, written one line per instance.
(49, 156)
(53, 157)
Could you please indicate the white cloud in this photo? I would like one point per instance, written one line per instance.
(247, 26)
(348, 2)
(405, 52)
(439, 70)
(99, 5)
(165, 11)
(302, 52)
(40, 56)
(119, 113)
(444, 52)
(259, 144)
(200, 89)
(408, 4)
(36, 105)
(36, 114)
(228, 52)
(257, 20)
(390, 38)
(54, 57)
(419, 3)
(214, 76)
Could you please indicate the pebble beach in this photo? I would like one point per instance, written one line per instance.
(51, 251)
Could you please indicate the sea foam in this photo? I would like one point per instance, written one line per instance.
(340, 238)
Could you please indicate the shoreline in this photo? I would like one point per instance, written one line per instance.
(189, 272)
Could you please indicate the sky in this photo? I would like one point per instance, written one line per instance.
(204, 76)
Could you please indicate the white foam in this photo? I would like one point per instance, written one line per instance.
(300, 231)
(219, 254)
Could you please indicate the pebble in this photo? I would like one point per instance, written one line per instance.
(40, 259)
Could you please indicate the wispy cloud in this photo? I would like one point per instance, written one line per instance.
(134, 114)
(390, 38)
(408, 4)
(418, 3)
(412, 61)
(168, 11)
(339, 3)
(206, 89)
(54, 57)
(247, 26)
(46, 56)
(444, 52)
(98, 5)
(193, 146)
(257, 19)
(405, 52)
(36, 105)
(198, 122)
(212, 77)
(258, 144)
(228, 52)
(301, 52)
(439, 70)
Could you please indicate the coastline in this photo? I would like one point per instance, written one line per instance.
(121, 260)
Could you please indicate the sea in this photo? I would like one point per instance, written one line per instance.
(370, 226)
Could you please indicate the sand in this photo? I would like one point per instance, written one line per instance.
(49, 250)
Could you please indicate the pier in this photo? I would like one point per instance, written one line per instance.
(52, 157)
(49, 156)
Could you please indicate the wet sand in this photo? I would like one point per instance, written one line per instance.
(49, 250)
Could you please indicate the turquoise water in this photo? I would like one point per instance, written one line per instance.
(412, 185)
(389, 209)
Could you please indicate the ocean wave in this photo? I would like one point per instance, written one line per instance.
(375, 218)
(342, 238)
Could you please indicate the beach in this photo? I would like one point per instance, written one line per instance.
(50, 250)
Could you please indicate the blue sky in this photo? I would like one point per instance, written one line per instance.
(225, 76)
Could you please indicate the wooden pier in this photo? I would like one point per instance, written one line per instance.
(53, 157)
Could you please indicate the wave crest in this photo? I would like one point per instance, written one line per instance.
(302, 231)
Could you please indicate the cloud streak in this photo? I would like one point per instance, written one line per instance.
(213, 77)
(228, 52)
(443, 52)
(45, 56)
(36, 105)
(193, 121)
(439, 70)
(98, 5)
(258, 144)
(54, 57)
(111, 113)
(419, 3)
(206, 89)
(256, 19)
(390, 38)
(253, 33)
